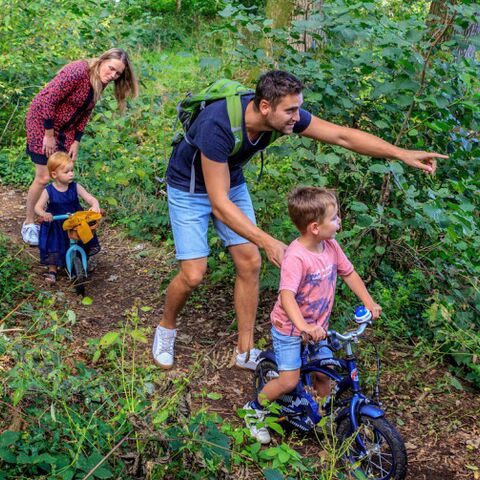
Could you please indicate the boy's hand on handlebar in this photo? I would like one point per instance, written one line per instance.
(375, 308)
(316, 332)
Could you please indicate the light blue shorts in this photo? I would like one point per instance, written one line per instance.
(287, 350)
(190, 214)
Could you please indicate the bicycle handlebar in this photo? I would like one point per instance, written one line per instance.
(345, 337)
(68, 215)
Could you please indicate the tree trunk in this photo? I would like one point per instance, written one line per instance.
(280, 12)
(438, 16)
(472, 30)
(303, 11)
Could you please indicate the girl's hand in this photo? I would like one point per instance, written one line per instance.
(375, 308)
(47, 217)
(96, 209)
(316, 332)
(49, 146)
(73, 152)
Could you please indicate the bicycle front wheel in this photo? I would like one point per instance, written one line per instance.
(79, 275)
(386, 457)
(265, 371)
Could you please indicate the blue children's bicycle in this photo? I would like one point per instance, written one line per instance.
(375, 448)
(79, 226)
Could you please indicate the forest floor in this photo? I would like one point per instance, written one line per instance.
(440, 423)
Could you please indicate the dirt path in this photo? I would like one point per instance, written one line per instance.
(441, 425)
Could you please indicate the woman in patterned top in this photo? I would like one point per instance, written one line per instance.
(59, 113)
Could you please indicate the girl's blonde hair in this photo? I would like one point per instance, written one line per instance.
(125, 85)
(58, 160)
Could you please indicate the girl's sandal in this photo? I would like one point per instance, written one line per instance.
(50, 277)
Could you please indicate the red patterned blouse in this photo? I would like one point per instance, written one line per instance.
(65, 105)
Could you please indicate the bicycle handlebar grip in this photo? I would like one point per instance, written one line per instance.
(362, 314)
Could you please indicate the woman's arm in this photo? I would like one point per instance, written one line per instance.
(89, 198)
(357, 286)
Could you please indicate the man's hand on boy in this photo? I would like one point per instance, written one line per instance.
(316, 332)
(375, 308)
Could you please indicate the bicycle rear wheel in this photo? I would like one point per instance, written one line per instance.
(79, 276)
(386, 457)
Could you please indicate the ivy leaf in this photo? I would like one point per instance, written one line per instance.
(138, 336)
(271, 474)
(7, 456)
(87, 301)
(214, 396)
(111, 201)
(109, 338)
(8, 438)
(358, 207)
(378, 168)
(455, 383)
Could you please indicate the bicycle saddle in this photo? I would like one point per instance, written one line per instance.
(80, 225)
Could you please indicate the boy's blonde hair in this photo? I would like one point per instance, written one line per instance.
(309, 204)
(58, 160)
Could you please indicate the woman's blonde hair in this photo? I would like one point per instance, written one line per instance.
(58, 160)
(125, 85)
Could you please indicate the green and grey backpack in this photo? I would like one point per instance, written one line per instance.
(191, 106)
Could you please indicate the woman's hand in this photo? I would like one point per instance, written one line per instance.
(73, 152)
(49, 145)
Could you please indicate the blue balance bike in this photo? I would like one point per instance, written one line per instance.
(77, 225)
(374, 448)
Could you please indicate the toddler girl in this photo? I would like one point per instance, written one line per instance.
(58, 198)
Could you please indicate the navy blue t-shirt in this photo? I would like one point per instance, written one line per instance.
(211, 134)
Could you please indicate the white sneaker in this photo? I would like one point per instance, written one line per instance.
(30, 232)
(261, 434)
(251, 363)
(162, 349)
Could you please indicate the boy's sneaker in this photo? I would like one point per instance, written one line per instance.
(251, 363)
(30, 232)
(162, 349)
(252, 418)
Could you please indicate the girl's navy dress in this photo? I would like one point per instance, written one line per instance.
(53, 241)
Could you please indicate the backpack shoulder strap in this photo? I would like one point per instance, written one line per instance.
(235, 115)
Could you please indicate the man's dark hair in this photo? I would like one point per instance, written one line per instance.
(276, 84)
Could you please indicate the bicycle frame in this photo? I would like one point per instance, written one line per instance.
(74, 248)
(358, 403)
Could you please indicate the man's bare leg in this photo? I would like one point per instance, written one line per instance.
(190, 275)
(247, 261)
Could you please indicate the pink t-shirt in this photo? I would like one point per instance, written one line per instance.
(312, 278)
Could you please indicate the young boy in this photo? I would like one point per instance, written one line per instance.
(307, 290)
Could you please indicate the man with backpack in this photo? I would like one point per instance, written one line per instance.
(224, 130)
